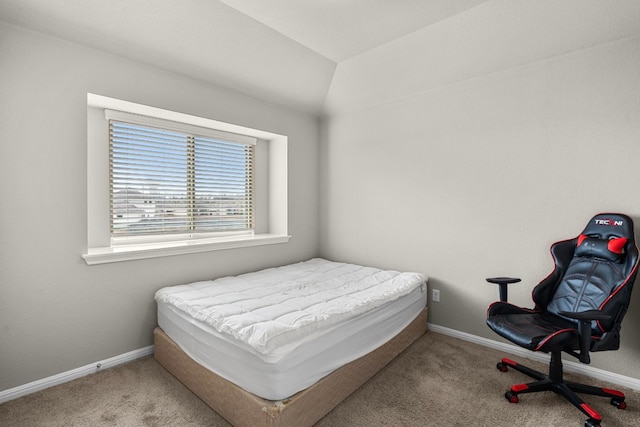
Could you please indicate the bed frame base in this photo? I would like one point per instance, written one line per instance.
(305, 408)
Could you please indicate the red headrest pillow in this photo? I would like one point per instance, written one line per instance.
(610, 250)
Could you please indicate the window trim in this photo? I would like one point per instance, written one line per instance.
(99, 247)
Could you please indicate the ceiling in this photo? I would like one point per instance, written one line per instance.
(340, 29)
(285, 51)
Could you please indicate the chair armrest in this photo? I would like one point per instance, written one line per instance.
(586, 315)
(502, 282)
(584, 329)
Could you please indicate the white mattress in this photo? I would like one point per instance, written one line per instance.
(278, 331)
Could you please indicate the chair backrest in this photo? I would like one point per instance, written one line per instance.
(594, 271)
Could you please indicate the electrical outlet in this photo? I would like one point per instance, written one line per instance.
(435, 295)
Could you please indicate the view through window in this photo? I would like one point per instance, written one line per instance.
(164, 181)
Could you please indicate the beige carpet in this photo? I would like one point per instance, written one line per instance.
(438, 381)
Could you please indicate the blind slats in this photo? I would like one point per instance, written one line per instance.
(165, 181)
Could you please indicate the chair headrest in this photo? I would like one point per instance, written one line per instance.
(610, 250)
(609, 225)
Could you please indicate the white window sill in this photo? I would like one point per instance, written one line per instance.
(154, 250)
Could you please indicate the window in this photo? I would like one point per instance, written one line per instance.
(163, 183)
(174, 180)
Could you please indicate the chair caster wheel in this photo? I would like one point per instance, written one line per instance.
(592, 423)
(502, 367)
(620, 404)
(511, 397)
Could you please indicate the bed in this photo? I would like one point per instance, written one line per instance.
(283, 346)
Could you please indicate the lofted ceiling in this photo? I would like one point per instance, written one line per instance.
(284, 51)
(340, 29)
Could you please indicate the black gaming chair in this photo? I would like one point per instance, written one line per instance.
(578, 309)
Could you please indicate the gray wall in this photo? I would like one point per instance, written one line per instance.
(56, 312)
(461, 151)
(473, 173)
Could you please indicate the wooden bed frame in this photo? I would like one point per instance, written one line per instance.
(306, 407)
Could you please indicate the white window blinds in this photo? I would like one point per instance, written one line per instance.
(172, 178)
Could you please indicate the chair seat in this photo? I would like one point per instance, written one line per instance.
(533, 330)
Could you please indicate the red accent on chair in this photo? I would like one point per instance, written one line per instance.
(519, 388)
(555, 334)
(617, 245)
(616, 392)
(509, 361)
(593, 414)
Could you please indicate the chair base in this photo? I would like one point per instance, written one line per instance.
(554, 382)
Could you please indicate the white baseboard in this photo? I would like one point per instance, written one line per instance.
(32, 387)
(569, 366)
